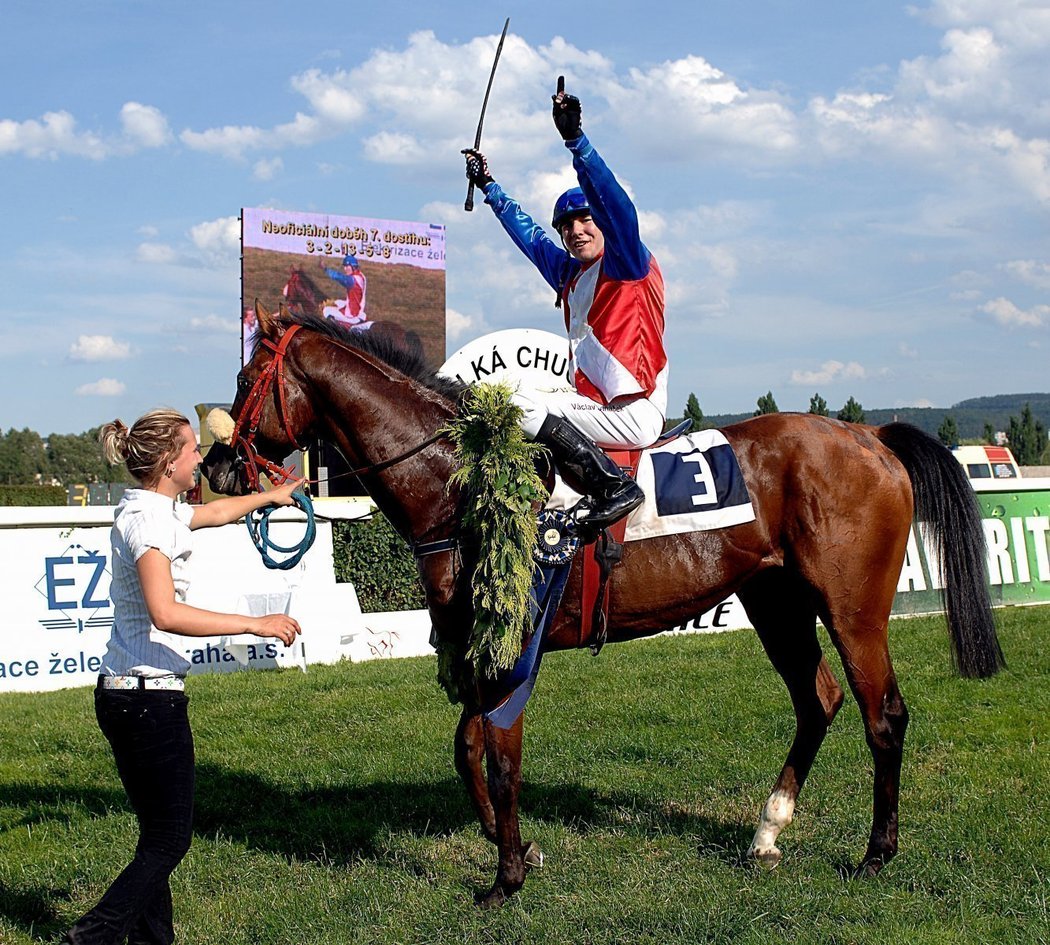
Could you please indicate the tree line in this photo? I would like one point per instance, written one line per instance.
(1026, 436)
(27, 458)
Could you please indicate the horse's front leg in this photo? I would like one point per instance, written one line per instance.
(503, 762)
(470, 757)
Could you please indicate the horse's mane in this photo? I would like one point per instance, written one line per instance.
(383, 347)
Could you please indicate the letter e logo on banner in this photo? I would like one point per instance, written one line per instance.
(71, 585)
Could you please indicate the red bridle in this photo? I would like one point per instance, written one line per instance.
(251, 411)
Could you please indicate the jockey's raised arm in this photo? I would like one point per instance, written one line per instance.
(613, 296)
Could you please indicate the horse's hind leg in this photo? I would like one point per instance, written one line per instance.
(785, 619)
(866, 658)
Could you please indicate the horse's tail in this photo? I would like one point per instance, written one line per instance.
(945, 500)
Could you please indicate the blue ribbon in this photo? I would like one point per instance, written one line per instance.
(548, 583)
(258, 523)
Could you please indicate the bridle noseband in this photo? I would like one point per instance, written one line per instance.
(273, 375)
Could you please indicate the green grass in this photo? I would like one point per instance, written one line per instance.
(329, 810)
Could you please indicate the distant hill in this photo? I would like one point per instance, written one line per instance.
(970, 415)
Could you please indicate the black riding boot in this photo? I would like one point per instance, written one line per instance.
(612, 493)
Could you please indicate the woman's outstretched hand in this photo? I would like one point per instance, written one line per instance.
(281, 626)
(282, 495)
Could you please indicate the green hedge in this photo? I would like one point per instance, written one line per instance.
(373, 557)
(32, 495)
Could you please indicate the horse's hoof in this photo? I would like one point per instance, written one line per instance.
(533, 855)
(492, 899)
(767, 859)
(869, 866)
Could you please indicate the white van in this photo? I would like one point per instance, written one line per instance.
(987, 462)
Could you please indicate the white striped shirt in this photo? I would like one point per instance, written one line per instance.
(145, 520)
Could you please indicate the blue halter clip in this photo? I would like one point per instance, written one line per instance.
(258, 523)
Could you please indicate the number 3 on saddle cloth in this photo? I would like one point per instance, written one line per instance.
(691, 483)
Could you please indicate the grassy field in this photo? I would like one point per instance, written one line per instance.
(329, 811)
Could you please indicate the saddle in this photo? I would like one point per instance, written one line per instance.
(607, 553)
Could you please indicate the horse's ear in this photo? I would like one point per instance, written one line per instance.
(269, 322)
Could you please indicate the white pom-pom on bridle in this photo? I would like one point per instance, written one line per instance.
(221, 425)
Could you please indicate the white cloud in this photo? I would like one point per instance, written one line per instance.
(99, 348)
(267, 169)
(214, 323)
(394, 148)
(1006, 313)
(438, 211)
(230, 140)
(975, 114)
(54, 134)
(157, 253)
(425, 98)
(219, 241)
(103, 387)
(700, 103)
(334, 98)
(1022, 23)
(144, 125)
(233, 141)
(458, 325)
(829, 372)
(1030, 271)
(965, 73)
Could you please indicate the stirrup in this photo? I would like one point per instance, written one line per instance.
(590, 526)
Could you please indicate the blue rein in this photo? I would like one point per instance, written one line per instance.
(258, 523)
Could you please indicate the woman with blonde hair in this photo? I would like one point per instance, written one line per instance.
(139, 701)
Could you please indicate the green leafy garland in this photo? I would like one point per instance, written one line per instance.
(497, 469)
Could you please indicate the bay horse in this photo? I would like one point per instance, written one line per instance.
(834, 504)
(301, 293)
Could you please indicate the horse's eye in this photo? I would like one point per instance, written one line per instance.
(242, 383)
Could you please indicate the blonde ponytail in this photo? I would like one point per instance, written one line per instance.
(146, 448)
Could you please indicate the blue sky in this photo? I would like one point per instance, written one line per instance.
(845, 198)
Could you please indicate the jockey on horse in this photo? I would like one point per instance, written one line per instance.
(614, 314)
(351, 310)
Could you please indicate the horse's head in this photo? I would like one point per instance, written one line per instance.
(294, 286)
(301, 293)
(271, 415)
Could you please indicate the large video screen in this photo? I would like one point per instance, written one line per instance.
(370, 275)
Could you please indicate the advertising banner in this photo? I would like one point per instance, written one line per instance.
(385, 276)
(55, 563)
(1017, 540)
(56, 568)
(522, 357)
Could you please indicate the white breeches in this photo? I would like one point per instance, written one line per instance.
(631, 426)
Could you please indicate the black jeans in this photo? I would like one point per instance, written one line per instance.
(153, 747)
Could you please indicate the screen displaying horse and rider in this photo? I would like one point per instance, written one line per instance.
(383, 276)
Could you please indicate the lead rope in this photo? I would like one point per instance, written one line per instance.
(258, 523)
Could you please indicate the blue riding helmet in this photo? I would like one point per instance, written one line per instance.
(572, 203)
(350, 261)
